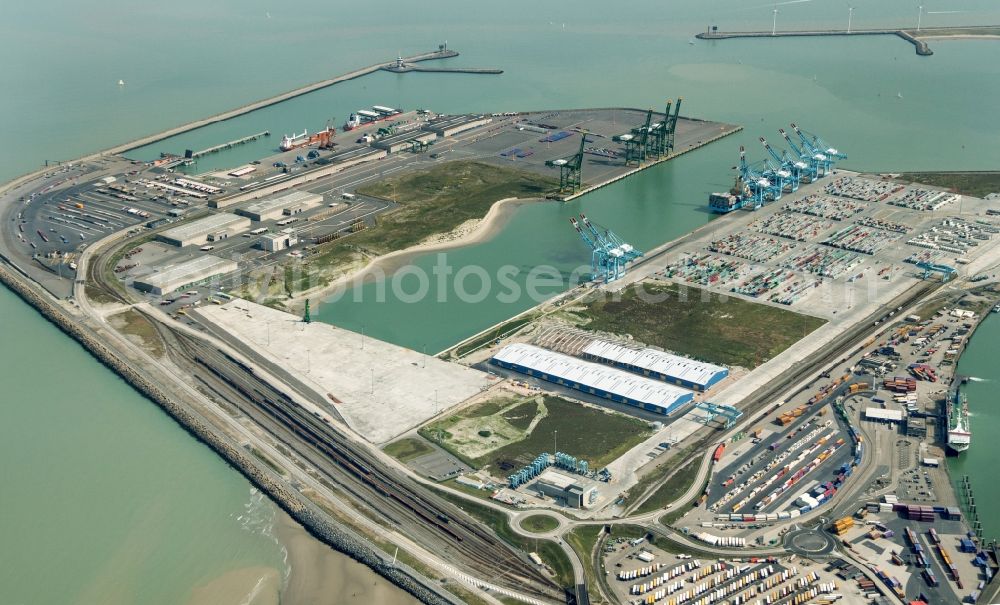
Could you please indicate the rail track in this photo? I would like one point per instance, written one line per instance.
(435, 523)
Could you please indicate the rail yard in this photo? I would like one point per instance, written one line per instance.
(796, 464)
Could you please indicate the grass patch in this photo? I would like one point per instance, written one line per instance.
(586, 432)
(270, 463)
(133, 324)
(591, 433)
(550, 552)
(442, 198)
(976, 184)
(583, 539)
(679, 511)
(671, 489)
(431, 202)
(700, 324)
(539, 524)
(407, 449)
(628, 531)
(520, 416)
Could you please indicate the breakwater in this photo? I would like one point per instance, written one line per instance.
(442, 70)
(305, 512)
(914, 37)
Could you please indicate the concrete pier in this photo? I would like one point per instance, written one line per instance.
(229, 145)
(913, 36)
(402, 69)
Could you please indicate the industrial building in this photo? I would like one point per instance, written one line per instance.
(674, 369)
(353, 157)
(184, 274)
(209, 229)
(564, 488)
(288, 204)
(883, 415)
(592, 378)
(275, 242)
(404, 141)
(446, 126)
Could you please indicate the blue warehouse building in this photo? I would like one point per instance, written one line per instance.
(592, 378)
(681, 371)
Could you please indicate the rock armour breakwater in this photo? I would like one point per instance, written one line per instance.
(303, 511)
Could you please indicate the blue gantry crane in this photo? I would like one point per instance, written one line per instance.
(762, 189)
(713, 410)
(814, 162)
(824, 154)
(796, 168)
(609, 253)
(610, 239)
(777, 175)
(817, 143)
(947, 271)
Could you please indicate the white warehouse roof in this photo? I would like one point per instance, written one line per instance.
(204, 226)
(589, 375)
(284, 201)
(673, 367)
(182, 274)
(882, 414)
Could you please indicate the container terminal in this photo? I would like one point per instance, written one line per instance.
(815, 476)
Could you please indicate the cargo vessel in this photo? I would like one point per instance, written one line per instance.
(377, 113)
(959, 433)
(724, 203)
(294, 141)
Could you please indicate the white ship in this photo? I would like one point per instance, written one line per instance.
(959, 433)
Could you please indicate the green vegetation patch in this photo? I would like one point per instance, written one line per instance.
(550, 552)
(520, 432)
(408, 449)
(521, 415)
(698, 323)
(976, 184)
(582, 540)
(539, 524)
(431, 202)
(140, 329)
(672, 488)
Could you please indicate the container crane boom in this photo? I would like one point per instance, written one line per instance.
(821, 158)
(813, 164)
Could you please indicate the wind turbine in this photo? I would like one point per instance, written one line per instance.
(920, 13)
(774, 25)
(850, 17)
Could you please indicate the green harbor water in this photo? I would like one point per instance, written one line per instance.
(106, 500)
(980, 365)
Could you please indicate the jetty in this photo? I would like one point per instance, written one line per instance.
(916, 37)
(228, 145)
(401, 65)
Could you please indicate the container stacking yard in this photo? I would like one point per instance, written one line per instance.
(596, 379)
(681, 371)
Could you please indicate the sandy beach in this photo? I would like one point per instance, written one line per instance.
(247, 586)
(320, 575)
(469, 232)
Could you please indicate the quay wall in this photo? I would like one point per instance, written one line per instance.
(221, 117)
(919, 45)
(306, 513)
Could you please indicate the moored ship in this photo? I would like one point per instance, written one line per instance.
(959, 432)
(290, 142)
(377, 113)
(724, 203)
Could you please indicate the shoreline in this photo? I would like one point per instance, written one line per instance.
(316, 572)
(463, 235)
